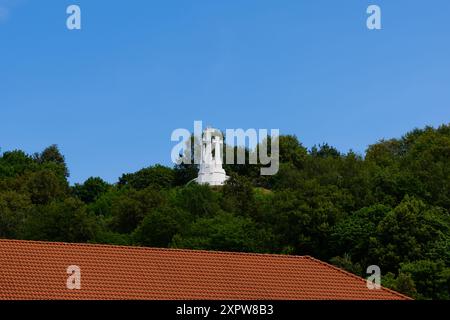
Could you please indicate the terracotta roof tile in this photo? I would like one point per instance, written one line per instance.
(37, 270)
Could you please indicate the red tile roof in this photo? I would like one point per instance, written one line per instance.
(37, 270)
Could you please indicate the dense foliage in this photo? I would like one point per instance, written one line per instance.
(390, 207)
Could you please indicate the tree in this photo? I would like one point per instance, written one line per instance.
(407, 233)
(291, 150)
(14, 207)
(403, 284)
(45, 186)
(130, 207)
(159, 226)
(325, 151)
(184, 173)
(156, 176)
(426, 166)
(238, 196)
(288, 177)
(52, 155)
(245, 169)
(353, 235)
(91, 189)
(224, 231)
(304, 218)
(431, 278)
(66, 221)
(198, 200)
(14, 163)
(346, 263)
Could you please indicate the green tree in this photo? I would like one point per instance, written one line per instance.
(91, 189)
(184, 173)
(14, 163)
(224, 231)
(291, 150)
(432, 278)
(159, 226)
(66, 221)
(345, 262)
(325, 151)
(156, 176)
(14, 207)
(403, 283)
(198, 200)
(406, 233)
(238, 196)
(129, 208)
(52, 155)
(45, 186)
(304, 218)
(354, 235)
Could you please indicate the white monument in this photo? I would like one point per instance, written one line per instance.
(211, 171)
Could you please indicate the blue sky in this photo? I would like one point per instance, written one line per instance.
(111, 94)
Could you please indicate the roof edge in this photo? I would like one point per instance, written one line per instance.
(329, 265)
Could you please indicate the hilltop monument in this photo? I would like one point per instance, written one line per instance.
(211, 171)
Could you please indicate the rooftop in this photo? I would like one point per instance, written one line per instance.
(38, 270)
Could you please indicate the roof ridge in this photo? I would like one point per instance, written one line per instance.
(329, 265)
(134, 247)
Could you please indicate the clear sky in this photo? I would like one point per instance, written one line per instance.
(111, 94)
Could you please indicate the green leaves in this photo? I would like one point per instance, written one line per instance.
(66, 221)
(45, 186)
(91, 189)
(390, 207)
(14, 207)
(159, 226)
(155, 176)
(51, 156)
(408, 232)
(130, 207)
(431, 278)
(224, 231)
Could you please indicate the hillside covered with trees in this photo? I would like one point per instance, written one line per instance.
(389, 207)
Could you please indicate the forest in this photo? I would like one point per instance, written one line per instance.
(389, 207)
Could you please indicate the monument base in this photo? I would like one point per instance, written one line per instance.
(212, 178)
